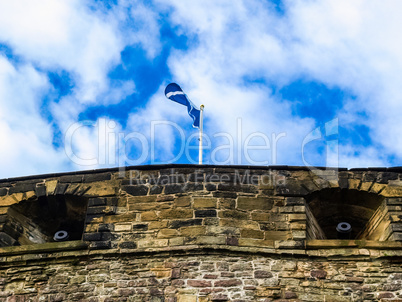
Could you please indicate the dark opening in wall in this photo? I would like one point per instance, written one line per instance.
(37, 221)
(364, 212)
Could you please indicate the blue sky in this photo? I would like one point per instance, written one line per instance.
(283, 82)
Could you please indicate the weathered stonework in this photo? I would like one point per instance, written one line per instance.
(184, 233)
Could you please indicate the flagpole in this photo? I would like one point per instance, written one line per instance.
(200, 139)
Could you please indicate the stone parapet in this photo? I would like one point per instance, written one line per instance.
(202, 233)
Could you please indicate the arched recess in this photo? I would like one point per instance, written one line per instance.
(364, 211)
(37, 220)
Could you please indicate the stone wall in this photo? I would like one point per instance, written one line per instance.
(185, 233)
(207, 275)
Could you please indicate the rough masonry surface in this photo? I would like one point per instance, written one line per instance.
(188, 233)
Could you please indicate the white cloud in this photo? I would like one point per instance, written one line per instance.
(349, 45)
(71, 37)
(26, 137)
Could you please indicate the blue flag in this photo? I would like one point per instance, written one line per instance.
(174, 93)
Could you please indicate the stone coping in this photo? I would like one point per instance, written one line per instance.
(178, 166)
(335, 249)
(48, 247)
(367, 244)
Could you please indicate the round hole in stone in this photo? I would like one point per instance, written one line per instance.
(344, 227)
(61, 236)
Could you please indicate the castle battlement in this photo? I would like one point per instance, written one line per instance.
(189, 233)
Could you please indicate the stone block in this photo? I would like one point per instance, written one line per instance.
(140, 227)
(227, 203)
(167, 233)
(299, 209)
(106, 227)
(202, 203)
(395, 218)
(211, 240)
(193, 187)
(260, 216)
(100, 245)
(155, 190)
(259, 274)
(196, 177)
(354, 184)
(254, 203)
(211, 221)
(51, 186)
(291, 188)
(290, 244)
(277, 235)
(184, 223)
(182, 201)
(173, 188)
(294, 201)
(297, 226)
(92, 237)
(386, 295)
(227, 283)
(142, 199)
(128, 245)
(246, 224)
(343, 182)
(122, 227)
(97, 177)
(148, 216)
(154, 225)
(78, 280)
(319, 274)
(365, 186)
(128, 217)
(148, 243)
(186, 298)
(164, 198)
(393, 201)
(385, 177)
(91, 228)
(267, 182)
(143, 207)
(40, 191)
(391, 191)
(205, 213)
(298, 235)
(247, 233)
(21, 188)
(177, 213)
(234, 214)
(139, 190)
(96, 201)
(220, 194)
(176, 241)
(233, 241)
(71, 178)
(108, 210)
(376, 187)
(99, 189)
(309, 184)
(191, 231)
(237, 188)
(256, 242)
(199, 283)
(297, 217)
(11, 199)
(211, 187)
